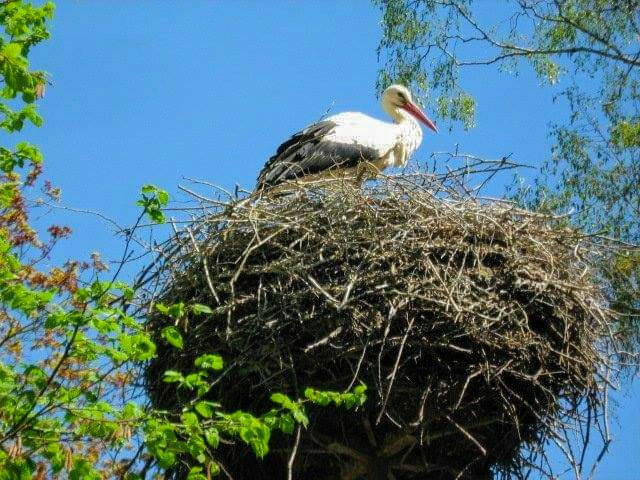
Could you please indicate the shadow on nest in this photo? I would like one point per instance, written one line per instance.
(477, 326)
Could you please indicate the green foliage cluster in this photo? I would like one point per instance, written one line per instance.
(587, 51)
(70, 351)
(152, 200)
(24, 25)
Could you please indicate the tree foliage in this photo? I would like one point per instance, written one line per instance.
(587, 52)
(70, 348)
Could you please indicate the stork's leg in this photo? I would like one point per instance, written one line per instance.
(360, 177)
(368, 171)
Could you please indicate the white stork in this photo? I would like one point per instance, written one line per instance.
(349, 144)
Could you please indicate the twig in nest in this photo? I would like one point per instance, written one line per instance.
(395, 370)
(205, 266)
(294, 450)
(334, 333)
(468, 435)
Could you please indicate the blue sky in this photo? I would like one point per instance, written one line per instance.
(154, 91)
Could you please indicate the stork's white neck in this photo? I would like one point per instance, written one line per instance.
(398, 114)
(401, 116)
(407, 123)
(410, 133)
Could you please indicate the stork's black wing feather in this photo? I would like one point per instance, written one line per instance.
(308, 152)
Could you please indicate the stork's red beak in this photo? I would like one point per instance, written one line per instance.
(419, 114)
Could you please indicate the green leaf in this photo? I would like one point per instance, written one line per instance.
(626, 134)
(131, 411)
(280, 398)
(197, 380)
(212, 436)
(196, 473)
(152, 201)
(356, 397)
(176, 310)
(83, 470)
(138, 346)
(286, 423)
(12, 52)
(171, 376)
(55, 455)
(214, 469)
(172, 336)
(166, 458)
(300, 417)
(351, 399)
(162, 308)
(320, 398)
(196, 448)
(205, 409)
(190, 421)
(198, 309)
(209, 361)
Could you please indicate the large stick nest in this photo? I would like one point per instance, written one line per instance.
(476, 326)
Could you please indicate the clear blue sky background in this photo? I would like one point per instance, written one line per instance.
(154, 91)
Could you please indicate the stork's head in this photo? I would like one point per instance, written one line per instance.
(397, 98)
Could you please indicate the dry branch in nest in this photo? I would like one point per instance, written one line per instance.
(478, 327)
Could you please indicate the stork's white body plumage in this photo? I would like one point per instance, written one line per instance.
(393, 142)
(349, 144)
